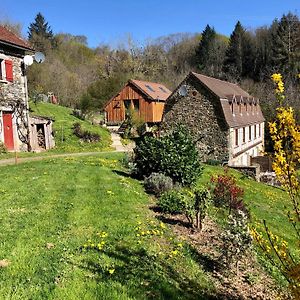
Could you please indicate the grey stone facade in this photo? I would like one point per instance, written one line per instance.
(225, 122)
(13, 99)
(200, 112)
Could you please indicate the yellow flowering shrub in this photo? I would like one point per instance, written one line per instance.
(285, 134)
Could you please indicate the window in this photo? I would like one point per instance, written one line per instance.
(259, 130)
(2, 70)
(250, 134)
(162, 89)
(6, 70)
(150, 88)
(254, 131)
(236, 137)
(240, 108)
(127, 104)
(244, 135)
(136, 105)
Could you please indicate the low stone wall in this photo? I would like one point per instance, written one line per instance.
(251, 171)
(265, 163)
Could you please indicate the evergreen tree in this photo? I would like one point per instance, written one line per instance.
(233, 63)
(40, 33)
(263, 51)
(286, 46)
(210, 52)
(203, 51)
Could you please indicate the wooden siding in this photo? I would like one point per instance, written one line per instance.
(149, 110)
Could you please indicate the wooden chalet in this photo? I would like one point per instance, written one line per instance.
(146, 98)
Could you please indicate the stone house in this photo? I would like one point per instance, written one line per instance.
(14, 118)
(18, 131)
(226, 123)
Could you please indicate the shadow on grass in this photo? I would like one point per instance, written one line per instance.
(171, 221)
(208, 263)
(150, 277)
(122, 173)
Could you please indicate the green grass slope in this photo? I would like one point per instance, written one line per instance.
(65, 140)
(51, 210)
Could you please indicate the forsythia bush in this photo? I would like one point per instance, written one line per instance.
(285, 134)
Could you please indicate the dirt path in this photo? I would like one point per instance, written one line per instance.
(117, 144)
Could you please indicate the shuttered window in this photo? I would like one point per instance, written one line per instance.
(9, 70)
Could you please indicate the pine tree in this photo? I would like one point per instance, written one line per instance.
(40, 33)
(210, 52)
(207, 38)
(233, 64)
(286, 46)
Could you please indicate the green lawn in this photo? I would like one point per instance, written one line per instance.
(53, 211)
(65, 140)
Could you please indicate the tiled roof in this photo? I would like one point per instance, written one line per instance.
(9, 37)
(241, 119)
(155, 91)
(229, 93)
(221, 88)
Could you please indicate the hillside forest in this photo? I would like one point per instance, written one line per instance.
(85, 78)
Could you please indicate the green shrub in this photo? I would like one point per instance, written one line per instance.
(3, 149)
(236, 238)
(158, 183)
(172, 202)
(127, 162)
(193, 204)
(174, 155)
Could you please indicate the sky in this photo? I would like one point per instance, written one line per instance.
(109, 21)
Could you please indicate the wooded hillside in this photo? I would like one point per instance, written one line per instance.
(85, 78)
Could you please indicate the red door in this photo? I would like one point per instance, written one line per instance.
(8, 131)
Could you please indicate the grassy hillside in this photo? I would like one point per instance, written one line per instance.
(65, 140)
(265, 202)
(52, 212)
(80, 228)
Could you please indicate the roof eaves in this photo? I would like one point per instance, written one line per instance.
(16, 46)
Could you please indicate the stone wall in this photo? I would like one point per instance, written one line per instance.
(200, 111)
(13, 99)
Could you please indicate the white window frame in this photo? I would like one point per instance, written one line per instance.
(3, 68)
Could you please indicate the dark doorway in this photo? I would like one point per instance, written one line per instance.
(41, 136)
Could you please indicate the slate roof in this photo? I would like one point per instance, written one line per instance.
(10, 38)
(228, 94)
(155, 91)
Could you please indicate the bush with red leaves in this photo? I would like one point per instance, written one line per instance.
(227, 193)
